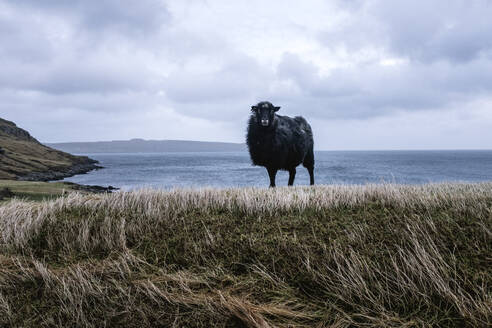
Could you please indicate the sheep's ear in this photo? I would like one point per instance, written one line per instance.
(275, 108)
(254, 108)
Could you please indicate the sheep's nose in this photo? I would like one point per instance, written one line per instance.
(264, 122)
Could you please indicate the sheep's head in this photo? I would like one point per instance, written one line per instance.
(265, 113)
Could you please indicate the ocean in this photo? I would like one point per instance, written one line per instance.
(234, 169)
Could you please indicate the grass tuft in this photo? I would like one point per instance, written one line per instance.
(326, 256)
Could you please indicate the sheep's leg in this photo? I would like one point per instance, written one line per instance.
(311, 175)
(272, 173)
(309, 165)
(292, 175)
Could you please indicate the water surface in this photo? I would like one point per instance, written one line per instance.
(233, 169)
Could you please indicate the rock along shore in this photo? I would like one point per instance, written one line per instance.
(62, 172)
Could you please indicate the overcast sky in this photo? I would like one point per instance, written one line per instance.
(365, 74)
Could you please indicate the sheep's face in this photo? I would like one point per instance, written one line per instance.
(264, 113)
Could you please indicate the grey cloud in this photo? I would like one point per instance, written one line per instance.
(125, 16)
(87, 77)
(375, 90)
(292, 67)
(75, 75)
(306, 76)
(239, 77)
(34, 57)
(455, 30)
(210, 87)
(22, 40)
(40, 101)
(427, 31)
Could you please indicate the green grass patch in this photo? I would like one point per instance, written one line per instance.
(33, 190)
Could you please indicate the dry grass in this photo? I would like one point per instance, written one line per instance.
(328, 256)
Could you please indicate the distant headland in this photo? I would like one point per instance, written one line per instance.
(146, 146)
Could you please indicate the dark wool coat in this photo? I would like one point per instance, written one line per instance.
(284, 145)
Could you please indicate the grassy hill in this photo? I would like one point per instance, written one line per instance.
(23, 157)
(327, 256)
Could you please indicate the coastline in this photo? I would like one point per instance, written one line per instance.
(62, 172)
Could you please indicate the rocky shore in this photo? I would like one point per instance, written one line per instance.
(91, 188)
(62, 172)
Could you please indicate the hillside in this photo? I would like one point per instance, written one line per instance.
(323, 256)
(146, 146)
(22, 157)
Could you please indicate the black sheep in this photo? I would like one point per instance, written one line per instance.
(279, 142)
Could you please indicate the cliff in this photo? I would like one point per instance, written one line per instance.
(22, 157)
